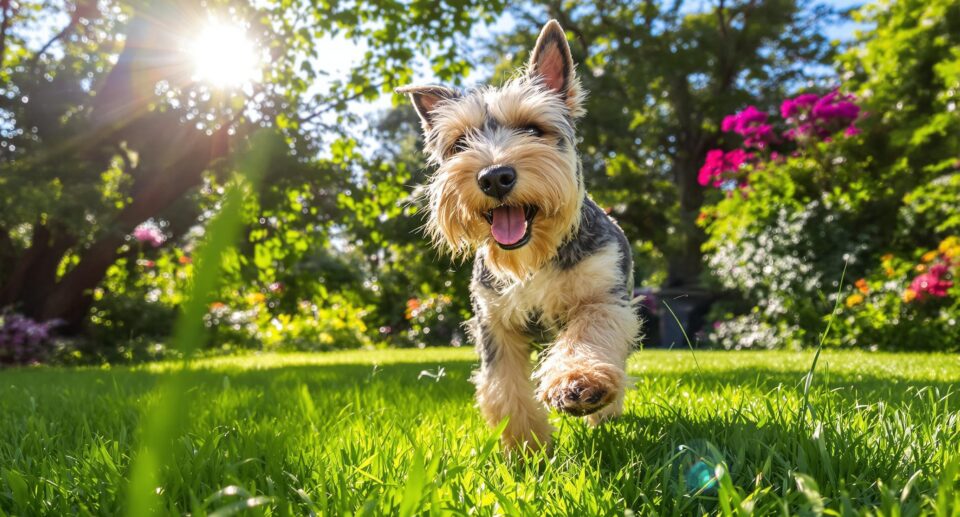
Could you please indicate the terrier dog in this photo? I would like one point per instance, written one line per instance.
(550, 266)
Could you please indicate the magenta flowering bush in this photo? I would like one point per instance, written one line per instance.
(806, 119)
(810, 116)
(23, 340)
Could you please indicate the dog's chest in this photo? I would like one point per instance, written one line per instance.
(532, 306)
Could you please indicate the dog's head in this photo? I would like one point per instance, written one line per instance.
(508, 178)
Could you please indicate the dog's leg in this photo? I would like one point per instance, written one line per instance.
(504, 387)
(583, 372)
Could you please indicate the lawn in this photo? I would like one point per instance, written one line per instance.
(395, 432)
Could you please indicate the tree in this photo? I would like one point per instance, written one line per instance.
(102, 127)
(662, 76)
(385, 221)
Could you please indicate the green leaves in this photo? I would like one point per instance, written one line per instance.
(18, 488)
(141, 140)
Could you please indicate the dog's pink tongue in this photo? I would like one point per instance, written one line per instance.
(509, 224)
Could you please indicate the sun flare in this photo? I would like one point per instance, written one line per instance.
(224, 57)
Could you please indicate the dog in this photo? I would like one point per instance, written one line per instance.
(550, 267)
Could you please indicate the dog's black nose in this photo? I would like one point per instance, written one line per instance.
(497, 181)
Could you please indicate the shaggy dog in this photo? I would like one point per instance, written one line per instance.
(550, 267)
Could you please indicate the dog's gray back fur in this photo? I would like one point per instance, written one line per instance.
(596, 231)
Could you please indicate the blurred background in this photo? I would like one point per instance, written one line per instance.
(770, 161)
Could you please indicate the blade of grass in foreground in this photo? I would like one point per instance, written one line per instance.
(805, 407)
(685, 337)
(162, 422)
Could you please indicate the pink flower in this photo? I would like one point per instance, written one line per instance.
(834, 106)
(798, 105)
(734, 159)
(815, 116)
(800, 132)
(712, 166)
(729, 124)
(751, 124)
(748, 117)
(149, 233)
(718, 163)
(933, 282)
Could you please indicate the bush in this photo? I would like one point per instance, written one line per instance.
(783, 234)
(905, 303)
(784, 229)
(23, 340)
(797, 211)
(433, 321)
(862, 178)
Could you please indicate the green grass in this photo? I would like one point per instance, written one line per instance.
(369, 433)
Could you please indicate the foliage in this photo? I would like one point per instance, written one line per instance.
(433, 320)
(662, 76)
(821, 195)
(399, 268)
(150, 149)
(394, 432)
(906, 303)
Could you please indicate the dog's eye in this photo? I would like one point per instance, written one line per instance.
(459, 145)
(532, 129)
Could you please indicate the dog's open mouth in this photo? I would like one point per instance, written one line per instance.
(511, 226)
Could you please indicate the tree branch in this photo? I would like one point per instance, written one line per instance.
(722, 20)
(35, 59)
(330, 106)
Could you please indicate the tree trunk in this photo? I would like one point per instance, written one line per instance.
(173, 157)
(72, 298)
(34, 276)
(687, 264)
(8, 255)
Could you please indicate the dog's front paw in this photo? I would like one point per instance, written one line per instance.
(582, 390)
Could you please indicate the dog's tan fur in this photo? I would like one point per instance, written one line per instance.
(580, 295)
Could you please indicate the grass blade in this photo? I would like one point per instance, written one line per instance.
(167, 417)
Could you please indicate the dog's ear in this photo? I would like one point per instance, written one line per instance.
(426, 99)
(552, 62)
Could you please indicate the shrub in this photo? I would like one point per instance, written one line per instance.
(782, 231)
(433, 321)
(786, 227)
(250, 320)
(905, 303)
(862, 177)
(23, 340)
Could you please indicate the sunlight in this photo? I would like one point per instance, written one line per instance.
(224, 57)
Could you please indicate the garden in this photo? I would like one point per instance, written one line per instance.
(218, 297)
